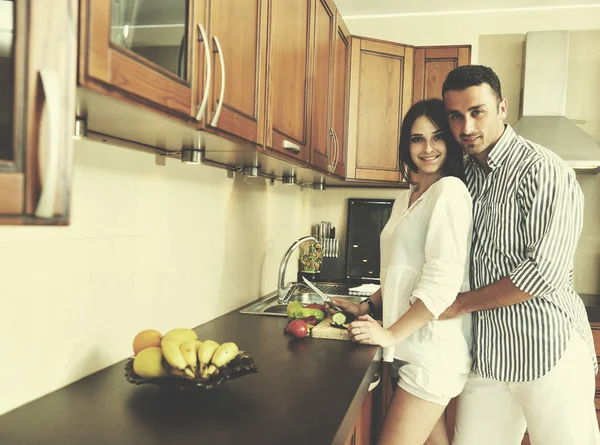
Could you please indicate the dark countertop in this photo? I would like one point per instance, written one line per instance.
(306, 392)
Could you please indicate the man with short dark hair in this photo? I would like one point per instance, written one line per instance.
(533, 355)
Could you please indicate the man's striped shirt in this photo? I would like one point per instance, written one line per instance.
(527, 216)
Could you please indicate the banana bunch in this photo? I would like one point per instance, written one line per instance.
(179, 348)
(184, 353)
(212, 356)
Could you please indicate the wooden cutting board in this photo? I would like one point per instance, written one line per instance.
(325, 330)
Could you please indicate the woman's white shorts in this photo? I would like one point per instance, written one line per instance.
(436, 386)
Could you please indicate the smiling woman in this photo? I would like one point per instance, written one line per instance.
(427, 146)
(427, 149)
(425, 247)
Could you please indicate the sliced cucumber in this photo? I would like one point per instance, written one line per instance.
(338, 318)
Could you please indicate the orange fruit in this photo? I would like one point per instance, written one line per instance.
(149, 338)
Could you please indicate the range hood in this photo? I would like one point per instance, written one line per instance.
(544, 102)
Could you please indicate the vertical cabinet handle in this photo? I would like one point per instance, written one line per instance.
(337, 152)
(333, 152)
(208, 70)
(327, 150)
(215, 119)
(51, 88)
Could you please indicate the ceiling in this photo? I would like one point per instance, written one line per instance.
(350, 8)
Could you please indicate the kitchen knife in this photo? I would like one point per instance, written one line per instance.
(322, 295)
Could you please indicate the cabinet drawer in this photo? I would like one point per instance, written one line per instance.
(596, 337)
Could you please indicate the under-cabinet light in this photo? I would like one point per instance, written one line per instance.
(252, 171)
(191, 156)
(80, 128)
(288, 179)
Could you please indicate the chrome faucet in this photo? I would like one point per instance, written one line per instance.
(284, 290)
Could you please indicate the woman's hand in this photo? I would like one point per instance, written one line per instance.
(367, 331)
(346, 306)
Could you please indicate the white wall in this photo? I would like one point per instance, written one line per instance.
(465, 29)
(148, 247)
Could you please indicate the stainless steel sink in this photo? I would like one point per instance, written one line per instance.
(270, 304)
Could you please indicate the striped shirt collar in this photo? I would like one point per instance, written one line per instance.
(501, 151)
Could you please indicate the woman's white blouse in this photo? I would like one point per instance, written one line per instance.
(425, 254)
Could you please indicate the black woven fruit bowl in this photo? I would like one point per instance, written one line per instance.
(240, 366)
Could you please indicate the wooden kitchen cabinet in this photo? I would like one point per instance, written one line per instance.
(280, 76)
(236, 95)
(339, 101)
(380, 95)
(322, 146)
(144, 52)
(37, 109)
(361, 434)
(384, 396)
(369, 420)
(289, 73)
(596, 335)
(330, 90)
(431, 66)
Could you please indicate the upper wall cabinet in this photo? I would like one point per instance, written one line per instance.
(37, 107)
(330, 90)
(281, 76)
(233, 96)
(339, 100)
(322, 144)
(380, 95)
(144, 51)
(289, 73)
(432, 65)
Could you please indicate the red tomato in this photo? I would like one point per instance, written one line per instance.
(297, 328)
(317, 306)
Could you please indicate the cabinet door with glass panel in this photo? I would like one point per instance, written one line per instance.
(144, 51)
(37, 95)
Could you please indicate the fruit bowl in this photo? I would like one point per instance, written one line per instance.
(240, 366)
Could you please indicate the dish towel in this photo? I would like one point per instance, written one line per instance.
(364, 289)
